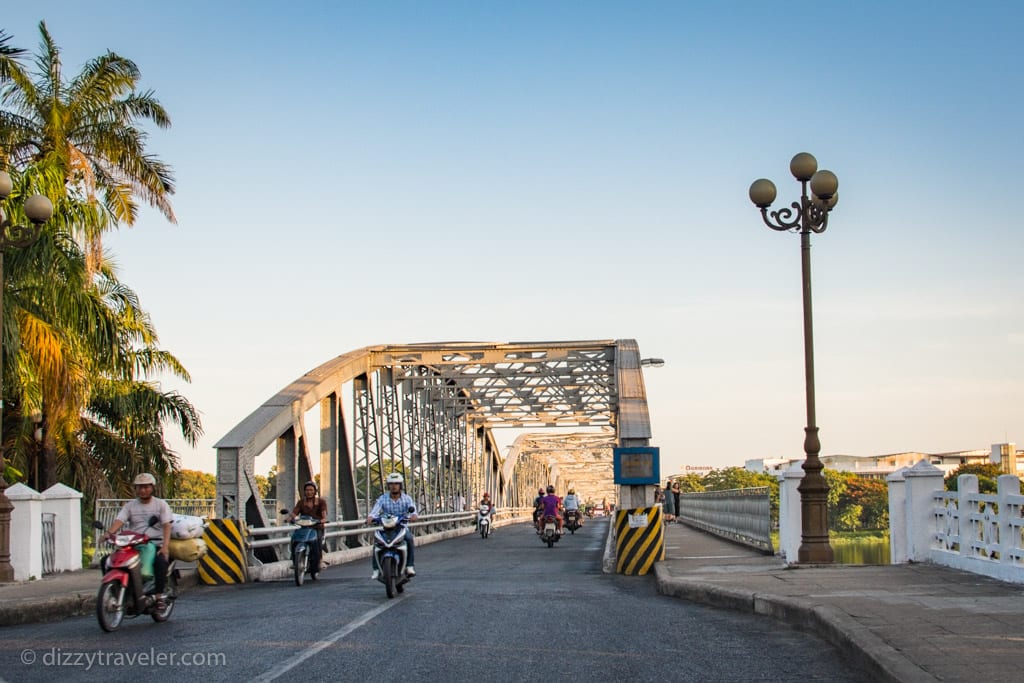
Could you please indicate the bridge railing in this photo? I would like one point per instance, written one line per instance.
(273, 536)
(741, 515)
(982, 533)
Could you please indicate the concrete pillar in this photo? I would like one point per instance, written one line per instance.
(287, 470)
(66, 504)
(897, 516)
(26, 532)
(790, 512)
(922, 481)
(1008, 491)
(329, 454)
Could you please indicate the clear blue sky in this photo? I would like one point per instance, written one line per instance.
(363, 173)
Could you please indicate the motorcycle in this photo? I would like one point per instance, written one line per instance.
(549, 532)
(124, 592)
(572, 520)
(484, 521)
(302, 540)
(390, 549)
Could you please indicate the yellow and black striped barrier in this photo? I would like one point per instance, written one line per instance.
(639, 540)
(224, 561)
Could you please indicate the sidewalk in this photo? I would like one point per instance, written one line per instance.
(911, 622)
(59, 596)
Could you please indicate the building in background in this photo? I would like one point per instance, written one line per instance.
(881, 466)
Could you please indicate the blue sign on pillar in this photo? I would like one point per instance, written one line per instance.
(637, 465)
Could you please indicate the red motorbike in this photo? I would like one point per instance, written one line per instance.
(124, 592)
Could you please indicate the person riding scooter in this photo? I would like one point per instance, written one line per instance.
(399, 504)
(571, 502)
(538, 509)
(551, 507)
(313, 506)
(485, 500)
(136, 515)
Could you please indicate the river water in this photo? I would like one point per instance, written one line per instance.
(861, 551)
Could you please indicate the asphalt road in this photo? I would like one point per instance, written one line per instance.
(502, 609)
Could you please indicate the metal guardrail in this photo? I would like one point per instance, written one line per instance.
(267, 537)
(741, 515)
(106, 510)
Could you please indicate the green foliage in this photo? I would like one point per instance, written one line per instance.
(856, 502)
(194, 485)
(988, 476)
(689, 483)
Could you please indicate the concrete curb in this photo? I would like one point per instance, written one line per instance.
(878, 658)
(75, 604)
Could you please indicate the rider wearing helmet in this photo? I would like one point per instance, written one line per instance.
(572, 502)
(398, 503)
(537, 509)
(485, 500)
(135, 515)
(552, 505)
(313, 506)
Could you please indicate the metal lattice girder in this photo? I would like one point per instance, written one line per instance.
(432, 409)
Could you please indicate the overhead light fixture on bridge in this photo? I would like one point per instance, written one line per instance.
(652, 362)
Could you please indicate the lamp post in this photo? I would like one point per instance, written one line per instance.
(38, 209)
(808, 215)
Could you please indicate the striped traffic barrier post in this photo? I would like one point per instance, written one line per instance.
(224, 561)
(639, 540)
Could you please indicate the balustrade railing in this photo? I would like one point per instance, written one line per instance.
(741, 515)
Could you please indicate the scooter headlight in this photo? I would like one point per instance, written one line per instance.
(389, 522)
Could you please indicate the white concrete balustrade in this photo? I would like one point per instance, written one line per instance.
(964, 529)
(65, 504)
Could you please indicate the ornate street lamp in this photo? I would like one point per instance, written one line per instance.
(808, 215)
(38, 209)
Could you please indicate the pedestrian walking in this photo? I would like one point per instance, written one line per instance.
(675, 498)
(668, 503)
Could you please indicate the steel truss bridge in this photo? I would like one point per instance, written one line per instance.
(430, 411)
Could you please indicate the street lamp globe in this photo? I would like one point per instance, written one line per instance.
(824, 184)
(762, 193)
(6, 185)
(803, 166)
(39, 209)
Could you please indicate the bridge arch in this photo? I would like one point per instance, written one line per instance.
(431, 411)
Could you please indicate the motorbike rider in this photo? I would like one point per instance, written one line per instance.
(395, 502)
(312, 505)
(538, 508)
(485, 500)
(572, 502)
(135, 515)
(552, 505)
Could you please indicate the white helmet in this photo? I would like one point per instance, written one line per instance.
(395, 478)
(143, 479)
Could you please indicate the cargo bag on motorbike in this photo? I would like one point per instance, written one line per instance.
(147, 553)
(187, 549)
(187, 526)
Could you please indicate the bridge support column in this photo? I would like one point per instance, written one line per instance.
(287, 470)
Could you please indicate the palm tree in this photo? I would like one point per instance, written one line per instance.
(79, 347)
(87, 128)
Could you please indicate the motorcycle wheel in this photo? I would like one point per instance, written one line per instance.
(550, 541)
(164, 614)
(108, 613)
(389, 570)
(300, 566)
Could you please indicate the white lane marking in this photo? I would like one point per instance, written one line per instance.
(316, 647)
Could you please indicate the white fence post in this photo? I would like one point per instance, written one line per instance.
(790, 519)
(897, 516)
(66, 503)
(26, 532)
(1010, 522)
(922, 481)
